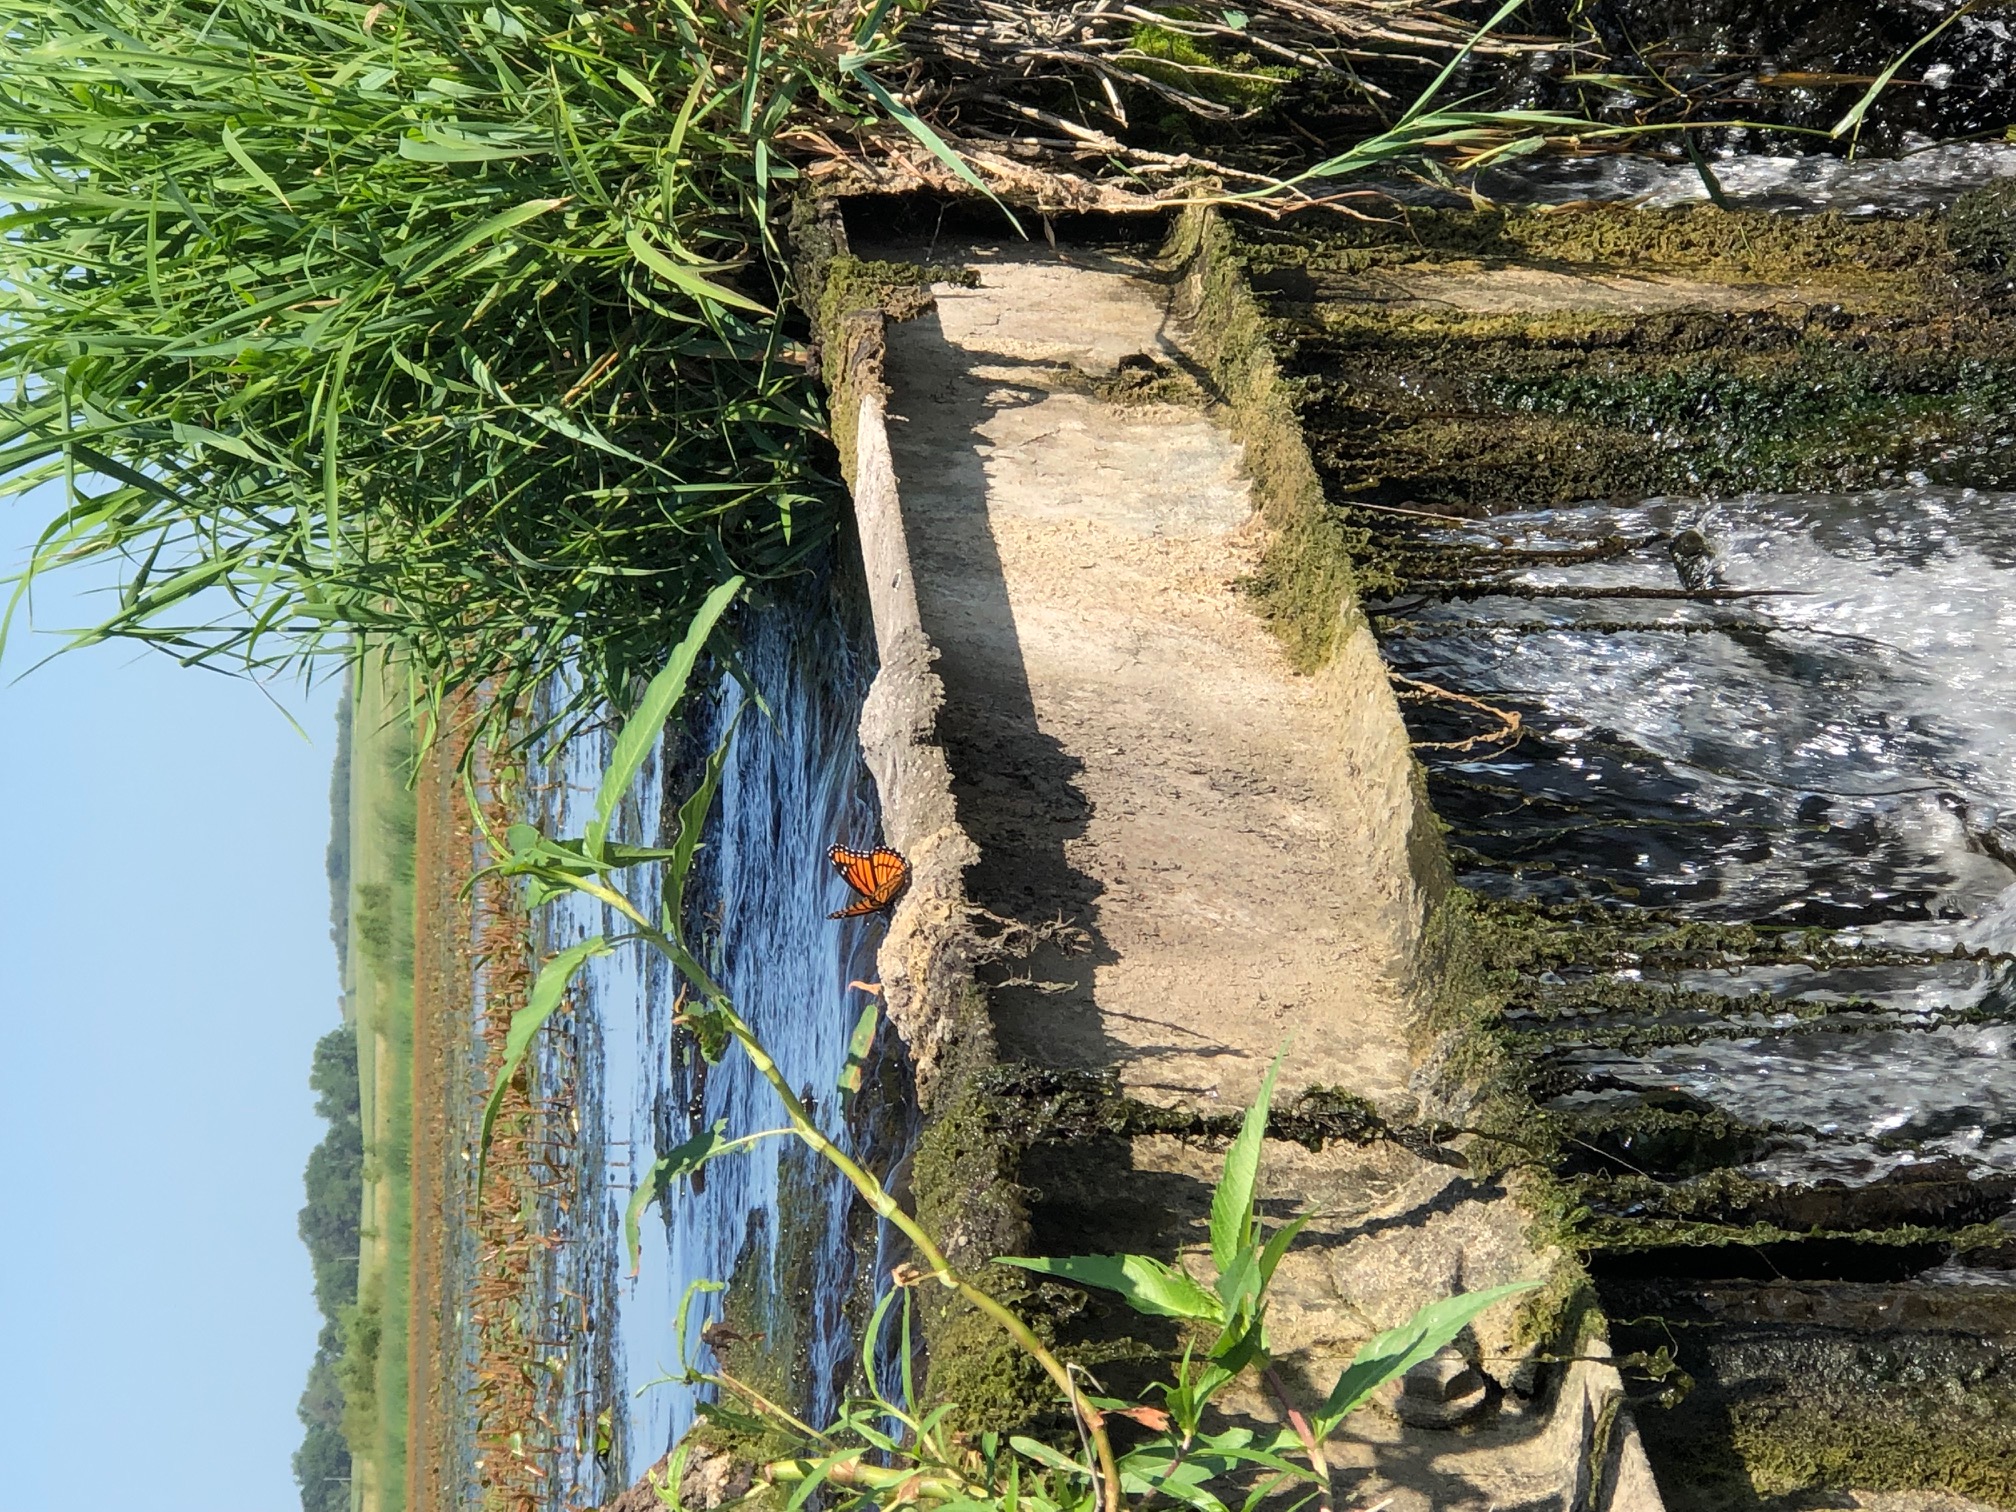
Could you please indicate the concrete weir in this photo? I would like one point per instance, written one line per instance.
(1161, 853)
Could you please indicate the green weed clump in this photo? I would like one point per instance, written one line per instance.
(451, 323)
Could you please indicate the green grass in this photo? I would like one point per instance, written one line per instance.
(380, 969)
(450, 322)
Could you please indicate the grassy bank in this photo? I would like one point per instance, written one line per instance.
(379, 951)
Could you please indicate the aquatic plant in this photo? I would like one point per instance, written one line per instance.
(890, 1442)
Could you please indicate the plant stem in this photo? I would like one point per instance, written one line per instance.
(1319, 1463)
(939, 1267)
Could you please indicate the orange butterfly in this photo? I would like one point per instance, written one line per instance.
(878, 875)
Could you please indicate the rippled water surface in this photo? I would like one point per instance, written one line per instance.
(793, 784)
(1839, 751)
(1925, 180)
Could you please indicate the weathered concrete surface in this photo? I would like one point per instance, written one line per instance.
(1223, 845)
(1128, 749)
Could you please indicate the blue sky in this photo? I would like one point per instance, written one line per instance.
(165, 969)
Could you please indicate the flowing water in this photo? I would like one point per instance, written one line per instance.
(769, 1219)
(1928, 179)
(1840, 753)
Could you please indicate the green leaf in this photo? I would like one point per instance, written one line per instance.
(244, 159)
(436, 145)
(692, 822)
(496, 225)
(1147, 1285)
(858, 1046)
(1277, 1246)
(1232, 1203)
(687, 279)
(855, 65)
(532, 852)
(1396, 1351)
(547, 991)
(665, 1170)
(1427, 96)
(1043, 1454)
(641, 731)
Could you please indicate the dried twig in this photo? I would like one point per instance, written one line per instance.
(1507, 734)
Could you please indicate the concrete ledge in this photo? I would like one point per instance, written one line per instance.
(925, 968)
(926, 961)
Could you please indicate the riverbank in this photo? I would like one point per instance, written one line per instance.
(379, 975)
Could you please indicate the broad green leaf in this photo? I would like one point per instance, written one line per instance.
(1239, 1283)
(1043, 1454)
(1232, 1202)
(1243, 1343)
(1277, 1246)
(1396, 1351)
(665, 1170)
(1146, 1284)
(1182, 1481)
(687, 279)
(661, 697)
(531, 851)
(547, 991)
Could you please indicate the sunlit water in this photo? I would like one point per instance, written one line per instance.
(1925, 180)
(1838, 754)
(761, 893)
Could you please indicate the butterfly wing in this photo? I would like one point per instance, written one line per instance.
(877, 875)
(888, 871)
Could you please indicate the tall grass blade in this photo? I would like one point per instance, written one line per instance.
(641, 731)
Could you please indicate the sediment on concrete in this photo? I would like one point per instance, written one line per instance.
(1108, 975)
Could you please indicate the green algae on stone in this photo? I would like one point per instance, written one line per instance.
(1775, 353)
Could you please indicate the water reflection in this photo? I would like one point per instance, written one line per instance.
(760, 895)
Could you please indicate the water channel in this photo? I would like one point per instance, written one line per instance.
(1832, 753)
(1783, 720)
(759, 898)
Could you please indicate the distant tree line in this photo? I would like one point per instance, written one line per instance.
(329, 1227)
(337, 860)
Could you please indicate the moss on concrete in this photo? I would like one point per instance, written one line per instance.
(1837, 354)
(1307, 587)
(965, 1195)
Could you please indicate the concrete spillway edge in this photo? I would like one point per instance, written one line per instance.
(925, 960)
